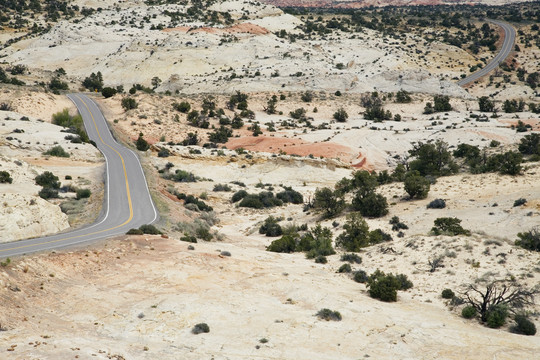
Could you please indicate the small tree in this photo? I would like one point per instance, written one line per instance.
(485, 104)
(341, 115)
(108, 92)
(385, 286)
(498, 292)
(94, 82)
(327, 200)
(416, 186)
(449, 226)
(141, 144)
(129, 103)
(48, 180)
(356, 234)
(183, 107)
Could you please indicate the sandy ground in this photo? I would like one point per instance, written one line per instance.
(143, 295)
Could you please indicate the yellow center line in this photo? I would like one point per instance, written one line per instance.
(95, 232)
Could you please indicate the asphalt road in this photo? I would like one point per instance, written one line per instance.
(127, 203)
(507, 47)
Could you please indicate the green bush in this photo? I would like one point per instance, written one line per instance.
(524, 325)
(57, 151)
(317, 241)
(74, 123)
(149, 229)
(183, 107)
(285, 244)
(271, 227)
(94, 82)
(56, 84)
(352, 258)
(356, 234)
(189, 238)
(385, 286)
(264, 199)
(496, 316)
(134, 232)
(48, 180)
(141, 144)
(341, 115)
(378, 236)
(345, 268)
(468, 312)
(371, 205)
(48, 193)
(447, 294)
(83, 193)
(220, 135)
(108, 92)
(416, 186)
(327, 314)
(129, 103)
(449, 226)
(321, 259)
(529, 240)
(360, 276)
(239, 195)
(329, 201)
(290, 196)
(5, 177)
(200, 328)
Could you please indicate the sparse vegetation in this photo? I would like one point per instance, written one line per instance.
(327, 314)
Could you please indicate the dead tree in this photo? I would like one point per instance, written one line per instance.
(435, 264)
(498, 292)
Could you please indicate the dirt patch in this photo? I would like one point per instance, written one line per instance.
(292, 147)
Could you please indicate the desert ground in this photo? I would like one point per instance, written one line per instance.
(139, 296)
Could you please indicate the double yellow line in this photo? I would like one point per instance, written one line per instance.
(96, 232)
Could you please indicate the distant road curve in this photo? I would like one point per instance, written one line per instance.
(127, 203)
(507, 46)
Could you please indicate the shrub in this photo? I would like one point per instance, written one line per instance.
(372, 205)
(327, 314)
(163, 153)
(182, 176)
(496, 316)
(108, 92)
(57, 151)
(447, 294)
(328, 201)
(141, 144)
(449, 226)
(270, 227)
(529, 240)
(222, 187)
(83, 193)
(5, 177)
(134, 232)
(285, 244)
(485, 104)
(317, 241)
(468, 312)
(56, 84)
(48, 180)
(239, 195)
(94, 82)
(352, 258)
(149, 229)
(47, 193)
(264, 199)
(437, 204)
(321, 259)
(378, 236)
(530, 144)
(383, 287)
(345, 268)
(519, 202)
(403, 97)
(220, 135)
(290, 196)
(341, 115)
(360, 276)
(356, 234)
(183, 107)
(416, 186)
(74, 123)
(200, 328)
(523, 325)
(129, 103)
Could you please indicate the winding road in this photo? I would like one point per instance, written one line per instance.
(127, 202)
(507, 46)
